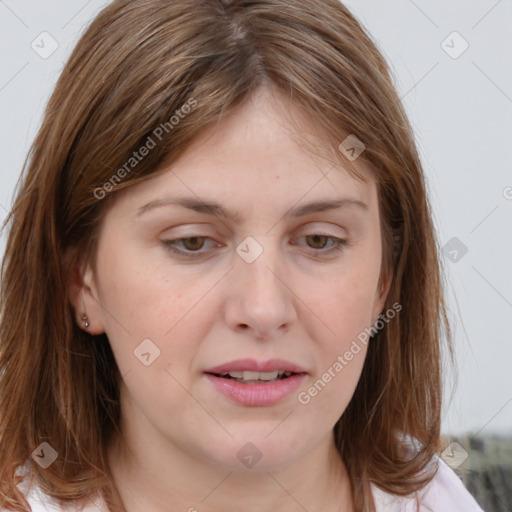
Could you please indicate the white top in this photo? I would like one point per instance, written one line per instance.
(445, 493)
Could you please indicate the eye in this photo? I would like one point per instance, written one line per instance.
(192, 245)
(319, 241)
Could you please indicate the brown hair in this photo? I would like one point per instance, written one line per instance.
(137, 64)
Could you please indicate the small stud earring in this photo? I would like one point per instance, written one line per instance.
(86, 321)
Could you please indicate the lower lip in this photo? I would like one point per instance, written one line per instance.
(257, 394)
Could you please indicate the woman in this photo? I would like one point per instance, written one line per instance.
(221, 286)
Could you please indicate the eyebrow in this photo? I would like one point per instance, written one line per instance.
(214, 208)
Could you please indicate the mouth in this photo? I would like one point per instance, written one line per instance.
(251, 383)
(254, 378)
(253, 369)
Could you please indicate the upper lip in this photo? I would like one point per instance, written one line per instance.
(253, 365)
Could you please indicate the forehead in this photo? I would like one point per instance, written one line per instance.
(260, 153)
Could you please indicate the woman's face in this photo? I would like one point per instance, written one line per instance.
(269, 284)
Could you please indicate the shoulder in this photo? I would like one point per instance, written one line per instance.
(41, 502)
(38, 501)
(445, 492)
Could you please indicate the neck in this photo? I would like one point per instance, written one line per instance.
(148, 480)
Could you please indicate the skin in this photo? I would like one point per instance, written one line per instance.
(181, 436)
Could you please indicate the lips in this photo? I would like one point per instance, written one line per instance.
(256, 394)
(253, 383)
(253, 365)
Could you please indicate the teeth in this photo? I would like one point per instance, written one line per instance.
(260, 375)
(235, 375)
(251, 376)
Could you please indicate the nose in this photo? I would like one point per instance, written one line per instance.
(259, 299)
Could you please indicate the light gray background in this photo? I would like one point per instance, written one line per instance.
(461, 110)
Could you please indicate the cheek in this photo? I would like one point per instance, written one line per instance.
(347, 311)
(137, 291)
(140, 301)
(345, 304)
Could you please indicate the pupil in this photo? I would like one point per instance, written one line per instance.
(316, 237)
(194, 245)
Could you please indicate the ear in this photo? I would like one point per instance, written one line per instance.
(381, 293)
(82, 292)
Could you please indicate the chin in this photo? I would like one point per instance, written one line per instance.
(257, 452)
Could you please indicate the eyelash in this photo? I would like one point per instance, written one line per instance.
(339, 245)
